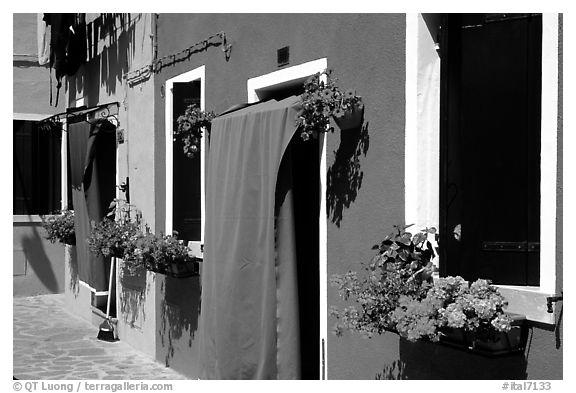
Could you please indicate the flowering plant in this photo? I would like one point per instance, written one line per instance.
(322, 100)
(453, 303)
(60, 227)
(402, 266)
(112, 236)
(190, 126)
(399, 294)
(157, 252)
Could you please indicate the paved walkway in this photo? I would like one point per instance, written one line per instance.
(51, 343)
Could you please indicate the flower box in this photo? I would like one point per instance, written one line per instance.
(503, 343)
(179, 269)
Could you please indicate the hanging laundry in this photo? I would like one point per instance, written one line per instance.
(68, 46)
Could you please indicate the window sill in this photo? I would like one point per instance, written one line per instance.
(26, 219)
(530, 301)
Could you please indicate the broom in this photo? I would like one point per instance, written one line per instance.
(106, 332)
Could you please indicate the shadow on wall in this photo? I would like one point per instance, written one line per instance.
(425, 360)
(33, 248)
(132, 297)
(344, 177)
(180, 309)
(111, 46)
(74, 284)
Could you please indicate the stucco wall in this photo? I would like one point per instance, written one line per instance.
(366, 53)
(125, 45)
(38, 265)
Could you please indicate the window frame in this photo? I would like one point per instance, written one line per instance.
(527, 300)
(198, 73)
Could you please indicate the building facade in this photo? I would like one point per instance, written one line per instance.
(395, 169)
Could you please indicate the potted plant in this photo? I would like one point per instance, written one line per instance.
(164, 254)
(60, 228)
(190, 126)
(400, 295)
(323, 101)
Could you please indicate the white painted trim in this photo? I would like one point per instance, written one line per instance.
(411, 142)
(64, 167)
(29, 116)
(284, 75)
(195, 74)
(97, 293)
(277, 78)
(23, 218)
(548, 154)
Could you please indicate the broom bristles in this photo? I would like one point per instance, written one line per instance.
(106, 332)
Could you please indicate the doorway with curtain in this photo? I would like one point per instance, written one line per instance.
(260, 285)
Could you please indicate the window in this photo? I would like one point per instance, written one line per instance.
(184, 175)
(36, 169)
(526, 292)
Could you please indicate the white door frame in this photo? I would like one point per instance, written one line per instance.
(277, 78)
(193, 75)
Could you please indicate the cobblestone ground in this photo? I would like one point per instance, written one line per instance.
(51, 343)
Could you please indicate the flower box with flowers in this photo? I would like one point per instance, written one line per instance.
(399, 295)
(60, 228)
(494, 344)
(165, 255)
(323, 103)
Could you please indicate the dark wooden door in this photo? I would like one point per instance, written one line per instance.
(490, 154)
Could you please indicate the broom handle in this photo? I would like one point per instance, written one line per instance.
(110, 286)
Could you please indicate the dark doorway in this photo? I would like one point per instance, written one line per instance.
(305, 164)
(490, 147)
(304, 167)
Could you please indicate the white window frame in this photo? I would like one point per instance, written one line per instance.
(527, 300)
(278, 78)
(190, 76)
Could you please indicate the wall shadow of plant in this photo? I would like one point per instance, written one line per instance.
(394, 371)
(132, 297)
(180, 310)
(425, 360)
(344, 177)
(72, 260)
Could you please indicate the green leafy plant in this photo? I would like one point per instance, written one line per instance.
(190, 126)
(60, 227)
(323, 99)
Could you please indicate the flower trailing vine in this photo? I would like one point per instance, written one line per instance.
(190, 127)
(322, 100)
